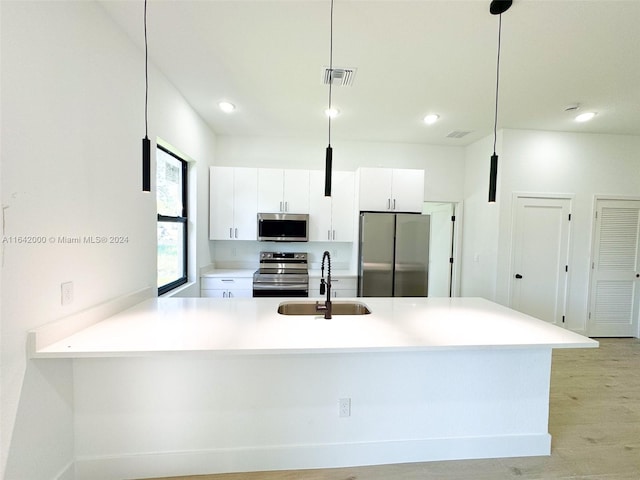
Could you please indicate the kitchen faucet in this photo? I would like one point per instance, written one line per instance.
(326, 308)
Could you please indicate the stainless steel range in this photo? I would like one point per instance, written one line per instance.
(281, 274)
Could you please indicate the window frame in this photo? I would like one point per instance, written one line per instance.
(181, 219)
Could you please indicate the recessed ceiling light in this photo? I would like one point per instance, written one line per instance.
(431, 118)
(585, 117)
(226, 107)
(332, 112)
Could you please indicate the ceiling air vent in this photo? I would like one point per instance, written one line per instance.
(458, 134)
(338, 77)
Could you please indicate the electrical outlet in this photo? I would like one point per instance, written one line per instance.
(66, 293)
(344, 407)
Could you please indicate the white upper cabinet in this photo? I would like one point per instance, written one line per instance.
(332, 218)
(283, 190)
(391, 189)
(233, 203)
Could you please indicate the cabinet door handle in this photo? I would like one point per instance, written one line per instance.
(224, 294)
(388, 204)
(328, 234)
(518, 275)
(230, 232)
(286, 206)
(230, 295)
(236, 233)
(281, 206)
(394, 203)
(334, 235)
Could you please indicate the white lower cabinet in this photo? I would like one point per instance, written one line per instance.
(226, 287)
(341, 287)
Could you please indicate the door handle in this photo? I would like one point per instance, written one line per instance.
(518, 275)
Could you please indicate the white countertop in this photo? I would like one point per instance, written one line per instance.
(252, 326)
(341, 273)
(230, 272)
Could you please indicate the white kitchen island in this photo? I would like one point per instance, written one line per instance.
(183, 386)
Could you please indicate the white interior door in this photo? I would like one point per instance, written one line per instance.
(613, 309)
(540, 247)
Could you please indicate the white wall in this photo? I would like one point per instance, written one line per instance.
(480, 223)
(584, 165)
(72, 124)
(443, 166)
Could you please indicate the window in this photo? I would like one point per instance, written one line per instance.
(171, 181)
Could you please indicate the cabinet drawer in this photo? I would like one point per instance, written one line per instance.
(226, 293)
(344, 283)
(341, 287)
(226, 283)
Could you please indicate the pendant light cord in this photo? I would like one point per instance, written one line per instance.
(146, 75)
(495, 121)
(330, 66)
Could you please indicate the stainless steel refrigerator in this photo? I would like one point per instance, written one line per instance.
(393, 255)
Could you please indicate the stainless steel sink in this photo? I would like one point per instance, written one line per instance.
(309, 308)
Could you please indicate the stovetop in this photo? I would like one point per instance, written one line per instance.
(283, 263)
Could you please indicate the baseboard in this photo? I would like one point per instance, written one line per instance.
(294, 457)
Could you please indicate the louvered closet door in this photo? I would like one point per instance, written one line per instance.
(615, 278)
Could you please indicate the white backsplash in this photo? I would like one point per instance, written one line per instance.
(245, 254)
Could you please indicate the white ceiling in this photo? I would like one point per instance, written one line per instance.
(412, 58)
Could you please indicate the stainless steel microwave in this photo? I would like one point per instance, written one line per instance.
(283, 227)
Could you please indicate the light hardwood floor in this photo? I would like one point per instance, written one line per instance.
(594, 419)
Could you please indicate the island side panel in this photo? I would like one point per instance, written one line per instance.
(188, 414)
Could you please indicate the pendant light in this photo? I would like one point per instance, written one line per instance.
(329, 151)
(146, 143)
(497, 7)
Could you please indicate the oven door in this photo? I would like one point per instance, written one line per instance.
(280, 285)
